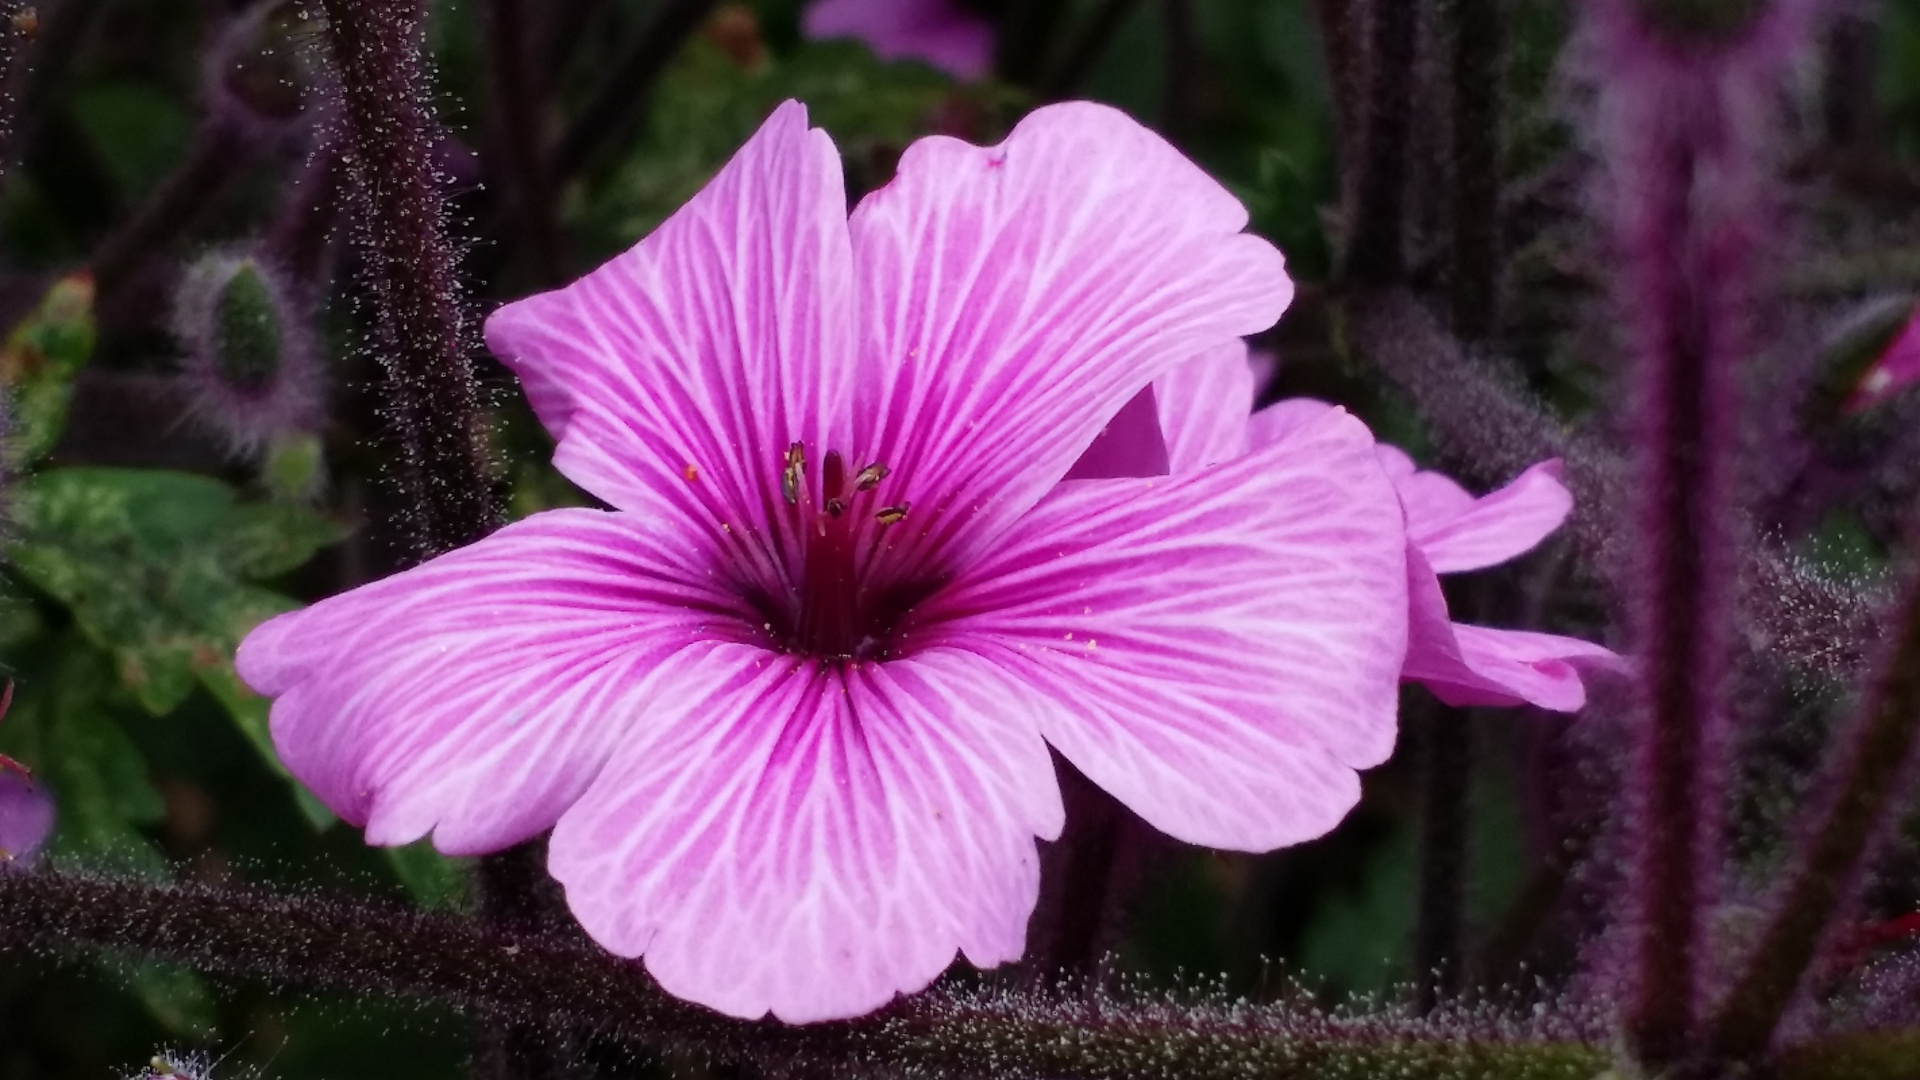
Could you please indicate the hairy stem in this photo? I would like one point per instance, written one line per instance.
(517, 103)
(1681, 628)
(1478, 38)
(1679, 128)
(1375, 243)
(1340, 49)
(489, 972)
(1867, 779)
(408, 270)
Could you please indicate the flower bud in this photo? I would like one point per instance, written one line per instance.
(250, 355)
(256, 77)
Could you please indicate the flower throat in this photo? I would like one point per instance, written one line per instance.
(837, 612)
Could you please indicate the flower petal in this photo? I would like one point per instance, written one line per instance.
(937, 31)
(1221, 650)
(1205, 404)
(810, 841)
(1014, 297)
(1489, 530)
(1282, 419)
(1476, 665)
(477, 695)
(1130, 445)
(26, 819)
(678, 373)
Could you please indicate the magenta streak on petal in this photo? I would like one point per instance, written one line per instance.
(1892, 372)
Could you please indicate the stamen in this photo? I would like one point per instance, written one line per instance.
(790, 476)
(871, 476)
(892, 515)
(835, 507)
(833, 477)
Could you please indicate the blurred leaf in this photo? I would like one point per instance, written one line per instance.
(707, 104)
(1358, 942)
(138, 132)
(248, 711)
(60, 725)
(176, 997)
(42, 356)
(432, 879)
(1283, 204)
(153, 564)
(265, 540)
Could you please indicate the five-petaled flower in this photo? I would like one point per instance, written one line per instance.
(787, 707)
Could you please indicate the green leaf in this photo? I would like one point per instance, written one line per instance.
(154, 566)
(1359, 942)
(174, 996)
(40, 359)
(432, 879)
(265, 540)
(708, 103)
(141, 133)
(61, 726)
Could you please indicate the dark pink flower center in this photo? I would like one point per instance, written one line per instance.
(839, 609)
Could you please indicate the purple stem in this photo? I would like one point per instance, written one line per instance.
(1478, 52)
(1681, 626)
(408, 268)
(1864, 785)
(555, 981)
(1338, 22)
(1678, 121)
(517, 103)
(1375, 247)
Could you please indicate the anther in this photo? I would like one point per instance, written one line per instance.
(870, 477)
(835, 507)
(833, 476)
(796, 467)
(891, 515)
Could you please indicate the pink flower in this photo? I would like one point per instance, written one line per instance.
(1892, 372)
(26, 816)
(1201, 411)
(787, 707)
(939, 32)
(1449, 531)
